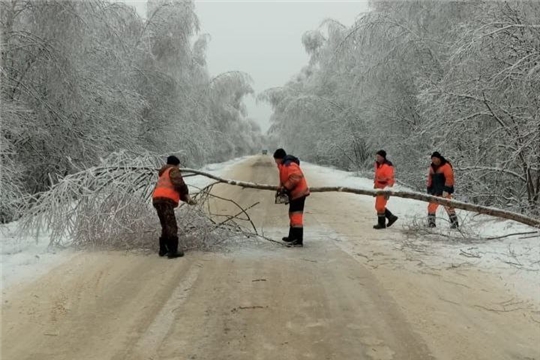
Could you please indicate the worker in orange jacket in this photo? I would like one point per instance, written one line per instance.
(441, 183)
(384, 177)
(292, 183)
(169, 191)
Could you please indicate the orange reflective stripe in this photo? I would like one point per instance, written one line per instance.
(297, 219)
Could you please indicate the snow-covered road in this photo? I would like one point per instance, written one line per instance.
(351, 293)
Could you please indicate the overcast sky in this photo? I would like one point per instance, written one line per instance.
(263, 38)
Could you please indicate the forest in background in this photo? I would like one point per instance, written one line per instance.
(413, 77)
(84, 81)
(81, 80)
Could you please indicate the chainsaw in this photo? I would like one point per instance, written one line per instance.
(282, 198)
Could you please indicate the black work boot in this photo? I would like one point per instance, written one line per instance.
(381, 224)
(391, 217)
(290, 237)
(172, 245)
(454, 223)
(298, 241)
(162, 247)
(431, 221)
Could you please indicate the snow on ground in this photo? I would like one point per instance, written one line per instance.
(515, 258)
(25, 259)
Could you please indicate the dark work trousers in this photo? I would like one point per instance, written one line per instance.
(169, 227)
(296, 212)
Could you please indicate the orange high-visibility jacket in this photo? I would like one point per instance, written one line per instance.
(292, 179)
(384, 174)
(440, 178)
(165, 188)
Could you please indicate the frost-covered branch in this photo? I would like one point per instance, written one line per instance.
(110, 206)
(397, 193)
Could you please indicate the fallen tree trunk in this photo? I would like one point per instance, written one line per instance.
(402, 194)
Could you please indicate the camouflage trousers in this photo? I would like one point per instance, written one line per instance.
(169, 227)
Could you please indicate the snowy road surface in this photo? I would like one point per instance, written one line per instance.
(351, 293)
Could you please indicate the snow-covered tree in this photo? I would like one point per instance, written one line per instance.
(413, 77)
(83, 79)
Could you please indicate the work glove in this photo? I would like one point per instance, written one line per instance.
(445, 194)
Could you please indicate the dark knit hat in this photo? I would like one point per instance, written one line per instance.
(173, 160)
(280, 154)
(436, 154)
(382, 153)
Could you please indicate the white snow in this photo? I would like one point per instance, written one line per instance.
(25, 259)
(515, 259)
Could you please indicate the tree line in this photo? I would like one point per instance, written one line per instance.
(83, 79)
(412, 77)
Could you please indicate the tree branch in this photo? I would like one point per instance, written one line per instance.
(402, 194)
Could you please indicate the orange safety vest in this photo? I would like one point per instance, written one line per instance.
(165, 188)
